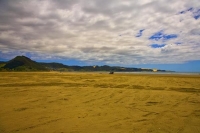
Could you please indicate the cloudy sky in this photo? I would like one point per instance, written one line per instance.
(144, 33)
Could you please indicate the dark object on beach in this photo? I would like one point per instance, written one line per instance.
(111, 72)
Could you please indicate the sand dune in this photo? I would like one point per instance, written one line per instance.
(99, 103)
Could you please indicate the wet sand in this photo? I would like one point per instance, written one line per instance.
(54, 102)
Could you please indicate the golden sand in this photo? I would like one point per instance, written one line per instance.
(99, 103)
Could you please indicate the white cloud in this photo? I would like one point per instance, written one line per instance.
(100, 30)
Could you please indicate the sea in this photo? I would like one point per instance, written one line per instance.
(163, 73)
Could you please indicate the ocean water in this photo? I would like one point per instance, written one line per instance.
(175, 73)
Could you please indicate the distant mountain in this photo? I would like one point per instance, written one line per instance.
(23, 63)
(2, 64)
(53, 65)
(61, 67)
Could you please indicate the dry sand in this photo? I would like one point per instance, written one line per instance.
(99, 103)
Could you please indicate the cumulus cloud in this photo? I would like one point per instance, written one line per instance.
(108, 31)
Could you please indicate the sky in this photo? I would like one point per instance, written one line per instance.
(163, 34)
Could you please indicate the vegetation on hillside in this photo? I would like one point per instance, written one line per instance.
(22, 63)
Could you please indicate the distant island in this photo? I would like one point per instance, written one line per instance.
(23, 63)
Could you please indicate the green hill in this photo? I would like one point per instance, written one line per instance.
(22, 63)
(54, 65)
(2, 64)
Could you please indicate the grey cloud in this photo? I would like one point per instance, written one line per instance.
(64, 4)
(161, 6)
(18, 8)
(105, 7)
(89, 30)
(195, 31)
(100, 25)
(5, 42)
(127, 52)
(96, 49)
(167, 51)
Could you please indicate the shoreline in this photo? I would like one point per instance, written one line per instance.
(107, 72)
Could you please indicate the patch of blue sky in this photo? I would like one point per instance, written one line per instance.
(195, 12)
(157, 36)
(139, 34)
(182, 12)
(10, 54)
(161, 36)
(190, 66)
(170, 36)
(190, 9)
(157, 45)
(28, 54)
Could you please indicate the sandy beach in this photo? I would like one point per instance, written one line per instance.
(53, 102)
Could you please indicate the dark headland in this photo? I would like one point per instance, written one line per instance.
(23, 63)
